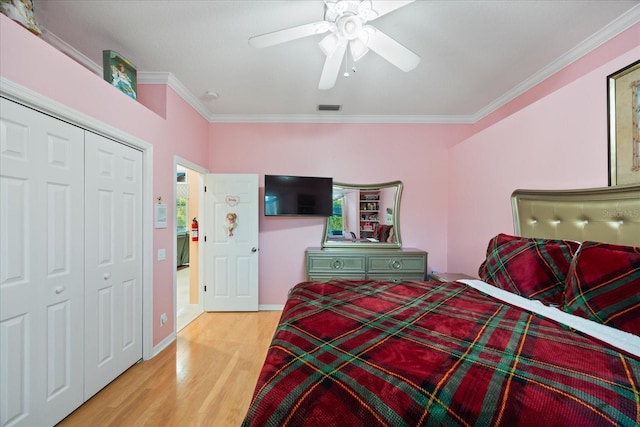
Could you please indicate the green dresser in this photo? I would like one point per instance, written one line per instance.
(353, 263)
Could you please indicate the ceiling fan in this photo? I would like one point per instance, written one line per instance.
(345, 21)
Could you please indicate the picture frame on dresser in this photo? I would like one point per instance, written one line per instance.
(624, 125)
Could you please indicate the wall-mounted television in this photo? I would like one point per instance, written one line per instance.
(298, 195)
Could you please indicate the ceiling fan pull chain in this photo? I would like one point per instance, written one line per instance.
(346, 66)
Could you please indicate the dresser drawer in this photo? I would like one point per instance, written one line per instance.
(335, 264)
(397, 264)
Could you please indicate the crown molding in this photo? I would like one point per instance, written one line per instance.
(336, 118)
(70, 51)
(166, 78)
(622, 23)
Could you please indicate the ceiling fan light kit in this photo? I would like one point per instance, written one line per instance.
(345, 21)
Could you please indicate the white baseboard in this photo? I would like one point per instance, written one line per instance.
(163, 344)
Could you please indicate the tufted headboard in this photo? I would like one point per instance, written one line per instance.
(609, 214)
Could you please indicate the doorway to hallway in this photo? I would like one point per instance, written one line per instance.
(188, 297)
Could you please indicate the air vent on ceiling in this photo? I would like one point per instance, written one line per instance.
(329, 107)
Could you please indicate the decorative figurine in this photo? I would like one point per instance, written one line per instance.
(231, 222)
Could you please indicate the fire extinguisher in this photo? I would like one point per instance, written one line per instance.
(194, 230)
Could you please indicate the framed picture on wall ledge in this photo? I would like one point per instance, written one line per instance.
(624, 125)
(120, 73)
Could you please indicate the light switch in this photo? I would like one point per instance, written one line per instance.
(162, 254)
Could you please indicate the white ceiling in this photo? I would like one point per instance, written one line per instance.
(476, 55)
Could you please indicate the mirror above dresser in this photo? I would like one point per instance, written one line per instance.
(364, 216)
(361, 240)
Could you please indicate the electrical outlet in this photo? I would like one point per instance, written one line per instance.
(163, 319)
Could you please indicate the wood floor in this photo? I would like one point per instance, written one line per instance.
(205, 378)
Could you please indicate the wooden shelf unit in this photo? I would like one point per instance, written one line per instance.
(369, 212)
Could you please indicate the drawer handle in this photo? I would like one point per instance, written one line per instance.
(396, 264)
(337, 264)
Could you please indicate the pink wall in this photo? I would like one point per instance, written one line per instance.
(28, 61)
(455, 198)
(557, 141)
(354, 153)
(553, 136)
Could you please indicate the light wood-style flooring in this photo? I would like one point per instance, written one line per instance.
(205, 378)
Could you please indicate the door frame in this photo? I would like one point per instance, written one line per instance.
(32, 99)
(177, 160)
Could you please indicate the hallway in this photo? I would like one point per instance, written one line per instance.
(186, 312)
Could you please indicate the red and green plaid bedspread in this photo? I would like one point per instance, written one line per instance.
(372, 353)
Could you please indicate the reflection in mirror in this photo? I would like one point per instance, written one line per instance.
(364, 215)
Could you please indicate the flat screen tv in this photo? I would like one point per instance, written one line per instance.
(298, 195)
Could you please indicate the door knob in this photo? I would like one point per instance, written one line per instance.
(254, 249)
(59, 289)
(106, 276)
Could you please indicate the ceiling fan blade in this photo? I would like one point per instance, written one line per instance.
(288, 34)
(391, 50)
(331, 67)
(382, 7)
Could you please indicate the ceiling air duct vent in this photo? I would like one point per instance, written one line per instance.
(329, 107)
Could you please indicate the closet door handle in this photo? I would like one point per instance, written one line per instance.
(59, 289)
(106, 276)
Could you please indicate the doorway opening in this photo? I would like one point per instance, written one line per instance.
(188, 296)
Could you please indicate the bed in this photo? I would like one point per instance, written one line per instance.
(550, 336)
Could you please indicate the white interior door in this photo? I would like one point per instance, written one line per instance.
(231, 248)
(113, 263)
(41, 267)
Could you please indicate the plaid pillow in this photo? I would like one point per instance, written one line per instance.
(532, 268)
(603, 284)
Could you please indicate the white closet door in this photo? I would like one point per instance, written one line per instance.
(41, 267)
(113, 264)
